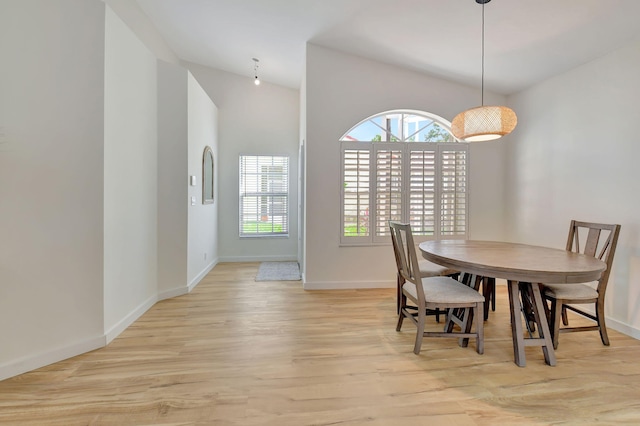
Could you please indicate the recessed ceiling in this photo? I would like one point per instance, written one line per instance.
(526, 41)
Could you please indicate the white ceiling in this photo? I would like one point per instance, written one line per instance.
(526, 41)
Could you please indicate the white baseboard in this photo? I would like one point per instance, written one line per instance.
(623, 328)
(40, 360)
(125, 322)
(194, 282)
(174, 292)
(179, 291)
(611, 323)
(147, 304)
(32, 362)
(242, 259)
(614, 324)
(346, 285)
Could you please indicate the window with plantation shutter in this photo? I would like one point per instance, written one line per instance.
(388, 187)
(404, 166)
(422, 191)
(453, 184)
(264, 196)
(356, 193)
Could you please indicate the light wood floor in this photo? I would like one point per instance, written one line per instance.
(239, 352)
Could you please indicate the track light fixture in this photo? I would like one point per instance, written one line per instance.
(256, 80)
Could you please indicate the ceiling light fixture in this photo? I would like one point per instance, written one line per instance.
(483, 123)
(255, 71)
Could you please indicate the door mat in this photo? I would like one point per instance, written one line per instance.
(278, 271)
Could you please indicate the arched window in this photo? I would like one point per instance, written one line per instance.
(403, 165)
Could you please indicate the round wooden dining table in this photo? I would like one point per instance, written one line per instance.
(524, 267)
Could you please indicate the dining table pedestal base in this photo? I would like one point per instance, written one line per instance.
(543, 339)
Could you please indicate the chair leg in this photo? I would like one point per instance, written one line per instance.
(485, 293)
(556, 313)
(450, 323)
(422, 314)
(489, 293)
(400, 319)
(399, 295)
(468, 315)
(565, 318)
(493, 294)
(479, 329)
(601, 324)
(402, 304)
(547, 311)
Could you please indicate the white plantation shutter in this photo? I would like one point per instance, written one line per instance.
(453, 193)
(422, 191)
(356, 193)
(424, 184)
(403, 165)
(264, 195)
(388, 186)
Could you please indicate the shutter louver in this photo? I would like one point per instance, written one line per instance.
(356, 193)
(422, 191)
(453, 205)
(388, 189)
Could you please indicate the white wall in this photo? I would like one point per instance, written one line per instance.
(187, 234)
(203, 218)
(342, 90)
(79, 179)
(135, 18)
(173, 194)
(130, 177)
(51, 180)
(261, 120)
(302, 173)
(574, 156)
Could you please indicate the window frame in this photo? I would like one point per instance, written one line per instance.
(282, 160)
(405, 147)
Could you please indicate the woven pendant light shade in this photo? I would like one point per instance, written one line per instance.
(484, 123)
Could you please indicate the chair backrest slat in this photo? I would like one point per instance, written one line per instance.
(605, 248)
(592, 242)
(595, 239)
(405, 250)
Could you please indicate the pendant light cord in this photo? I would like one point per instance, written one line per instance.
(482, 77)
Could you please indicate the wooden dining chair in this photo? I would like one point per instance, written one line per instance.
(600, 242)
(427, 269)
(489, 293)
(439, 292)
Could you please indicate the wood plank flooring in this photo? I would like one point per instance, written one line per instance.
(239, 352)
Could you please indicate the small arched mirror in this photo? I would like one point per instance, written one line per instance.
(207, 176)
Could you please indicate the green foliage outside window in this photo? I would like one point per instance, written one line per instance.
(438, 134)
